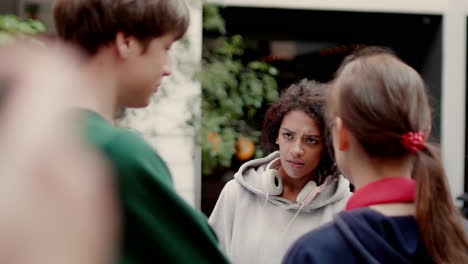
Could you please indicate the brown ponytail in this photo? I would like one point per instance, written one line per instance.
(379, 98)
(438, 219)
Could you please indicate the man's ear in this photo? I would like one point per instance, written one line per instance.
(341, 135)
(127, 46)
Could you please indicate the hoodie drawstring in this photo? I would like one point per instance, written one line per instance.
(292, 220)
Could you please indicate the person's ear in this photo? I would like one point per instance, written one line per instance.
(127, 46)
(341, 135)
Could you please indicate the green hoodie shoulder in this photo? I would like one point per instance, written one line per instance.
(158, 225)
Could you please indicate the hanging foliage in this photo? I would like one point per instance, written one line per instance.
(233, 92)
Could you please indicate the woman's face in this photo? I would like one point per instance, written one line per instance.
(300, 144)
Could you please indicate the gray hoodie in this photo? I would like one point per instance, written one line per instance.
(255, 228)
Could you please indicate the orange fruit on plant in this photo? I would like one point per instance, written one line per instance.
(245, 148)
(215, 139)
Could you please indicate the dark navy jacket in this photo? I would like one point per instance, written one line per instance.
(361, 236)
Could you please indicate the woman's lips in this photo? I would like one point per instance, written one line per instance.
(295, 164)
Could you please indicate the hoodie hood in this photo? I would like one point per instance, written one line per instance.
(381, 239)
(250, 174)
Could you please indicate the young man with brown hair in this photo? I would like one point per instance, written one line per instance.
(127, 42)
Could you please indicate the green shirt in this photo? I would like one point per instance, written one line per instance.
(158, 225)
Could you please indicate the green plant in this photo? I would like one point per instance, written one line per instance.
(12, 27)
(233, 93)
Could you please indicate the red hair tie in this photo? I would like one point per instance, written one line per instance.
(413, 141)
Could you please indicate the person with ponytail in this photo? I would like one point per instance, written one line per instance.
(401, 212)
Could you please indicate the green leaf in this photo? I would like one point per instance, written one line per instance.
(273, 71)
(212, 20)
(258, 66)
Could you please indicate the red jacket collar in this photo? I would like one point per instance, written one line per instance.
(388, 190)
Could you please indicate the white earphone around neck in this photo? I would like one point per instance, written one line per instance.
(274, 185)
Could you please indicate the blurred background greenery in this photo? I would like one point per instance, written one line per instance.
(235, 93)
(12, 27)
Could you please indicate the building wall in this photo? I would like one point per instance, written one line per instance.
(400, 6)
